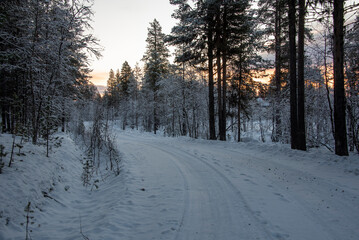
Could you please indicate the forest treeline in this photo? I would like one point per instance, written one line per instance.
(311, 99)
(43, 64)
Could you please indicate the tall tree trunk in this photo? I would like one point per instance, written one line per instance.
(184, 114)
(219, 72)
(341, 146)
(239, 98)
(327, 85)
(224, 80)
(293, 77)
(301, 101)
(173, 120)
(155, 125)
(278, 65)
(219, 93)
(212, 128)
(63, 119)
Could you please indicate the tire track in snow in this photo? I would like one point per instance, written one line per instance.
(290, 214)
(186, 188)
(153, 195)
(322, 220)
(328, 204)
(248, 220)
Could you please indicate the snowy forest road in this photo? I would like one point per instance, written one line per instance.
(193, 189)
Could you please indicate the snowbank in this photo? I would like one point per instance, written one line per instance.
(36, 179)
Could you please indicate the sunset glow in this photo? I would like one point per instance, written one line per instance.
(121, 27)
(263, 76)
(99, 78)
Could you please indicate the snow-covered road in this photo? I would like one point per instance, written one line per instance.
(193, 189)
(183, 189)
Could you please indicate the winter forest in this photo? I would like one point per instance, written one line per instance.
(210, 91)
(275, 82)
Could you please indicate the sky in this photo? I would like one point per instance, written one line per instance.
(121, 26)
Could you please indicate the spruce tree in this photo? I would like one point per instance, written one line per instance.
(126, 72)
(112, 89)
(111, 81)
(156, 65)
(124, 91)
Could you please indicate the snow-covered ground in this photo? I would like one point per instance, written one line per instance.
(181, 188)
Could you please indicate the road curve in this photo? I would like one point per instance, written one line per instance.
(203, 191)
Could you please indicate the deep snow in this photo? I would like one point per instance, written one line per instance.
(181, 188)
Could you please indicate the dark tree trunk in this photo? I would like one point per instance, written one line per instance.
(278, 65)
(212, 128)
(327, 85)
(292, 76)
(219, 72)
(341, 146)
(301, 101)
(224, 80)
(63, 123)
(219, 93)
(155, 119)
(239, 98)
(184, 113)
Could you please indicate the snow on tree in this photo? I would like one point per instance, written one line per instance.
(43, 64)
(156, 65)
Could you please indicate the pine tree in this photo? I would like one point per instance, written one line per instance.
(240, 48)
(156, 65)
(135, 86)
(212, 33)
(194, 37)
(301, 101)
(341, 146)
(126, 72)
(209, 33)
(124, 91)
(111, 82)
(112, 88)
(340, 125)
(293, 75)
(272, 16)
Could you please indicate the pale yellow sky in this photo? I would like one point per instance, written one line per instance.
(121, 26)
